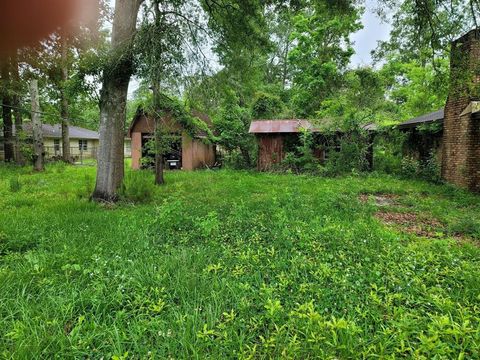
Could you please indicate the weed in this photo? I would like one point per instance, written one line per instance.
(14, 184)
(138, 186)
(232, 264)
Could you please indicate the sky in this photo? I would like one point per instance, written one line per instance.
(364, 40)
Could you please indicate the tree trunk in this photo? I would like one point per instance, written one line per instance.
(8, 142)
(64, 103)
(19, 158)
(159, 148)
(159, 160)
(36, 128)
(113, 98)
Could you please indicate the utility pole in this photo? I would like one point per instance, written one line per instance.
(36, 128)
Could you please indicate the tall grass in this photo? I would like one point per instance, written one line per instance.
(233, 265)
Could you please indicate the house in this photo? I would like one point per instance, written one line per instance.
(424, 136)
(187, 152)
(276, 138)
(457, 141)
(83, 142)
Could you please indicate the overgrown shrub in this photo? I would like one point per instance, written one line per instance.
(266, 106)
(428, 169)
(431, 170)
(14, 184)
(348, 155)
(138, 186)
(235, 160)
(388, 151)
(410, 167)
(302, 159)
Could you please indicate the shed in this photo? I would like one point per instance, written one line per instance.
(276, 138)
(188, 153)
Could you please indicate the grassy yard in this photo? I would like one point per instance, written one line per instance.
(238, 265)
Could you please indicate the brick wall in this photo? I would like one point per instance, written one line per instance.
(461, 141)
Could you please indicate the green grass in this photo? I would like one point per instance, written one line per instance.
(234, 265)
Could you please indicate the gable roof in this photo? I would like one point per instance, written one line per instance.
(55, 131)
(424, 119)
(143, 114)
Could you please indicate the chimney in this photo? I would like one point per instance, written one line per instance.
(461, 129)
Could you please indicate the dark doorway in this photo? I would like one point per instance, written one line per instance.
(173, 158)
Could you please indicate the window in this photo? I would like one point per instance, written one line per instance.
(56, 145)
(82, 145)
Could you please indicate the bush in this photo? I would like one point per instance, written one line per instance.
(388, 151)
(138, 186)
(14, 184)
(410, 167)
(302, 159)
(431, 170)
(349, 156)
(266, 106)
(428, 170)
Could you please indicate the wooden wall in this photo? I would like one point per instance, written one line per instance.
(196, 154)
(270, 150)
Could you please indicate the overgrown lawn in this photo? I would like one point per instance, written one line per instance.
(237, 265)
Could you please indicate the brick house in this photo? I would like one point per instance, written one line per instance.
(457, 142)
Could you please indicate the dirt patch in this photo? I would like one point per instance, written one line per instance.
(412, 223)
(380, 199)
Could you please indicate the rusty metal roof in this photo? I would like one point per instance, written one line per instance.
(280, 126)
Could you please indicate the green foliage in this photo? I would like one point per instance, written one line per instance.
(231, 126)
(235, 264)
(302, 159)
(14, 184)
(266, 106)
(138, 187)
(428, 170)
(415, 88)
(319, 60)
(410, 167)
(388, 150)
(347, 154)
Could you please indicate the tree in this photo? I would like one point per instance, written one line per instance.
(159, 44)
(322, 52)
(5, 71)
(116, 76)
(425, 28)
(36, 128)
(231, 125)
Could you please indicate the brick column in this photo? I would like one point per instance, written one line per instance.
(461, 134)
